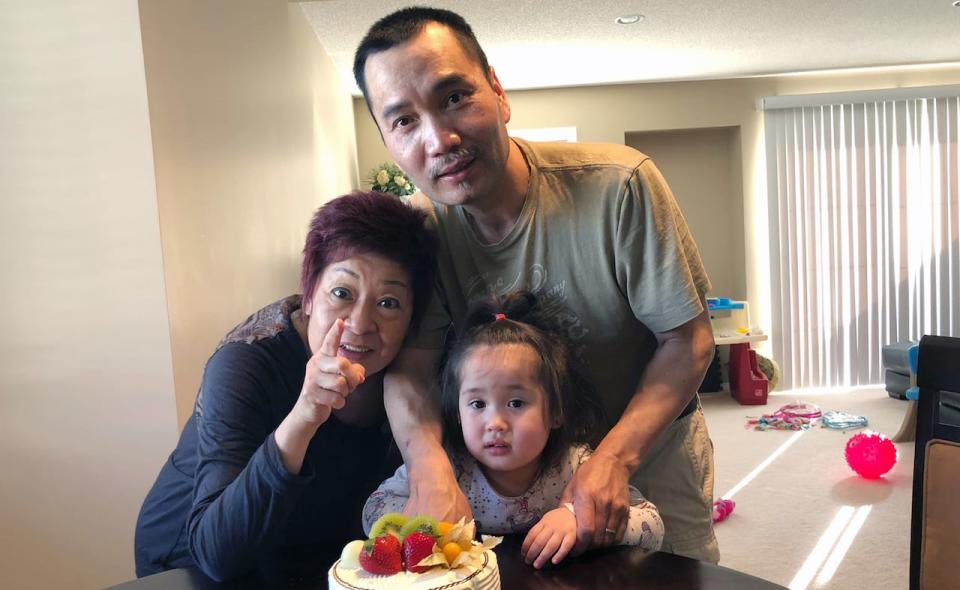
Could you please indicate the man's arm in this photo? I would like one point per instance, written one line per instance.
(412, 402)
(599, 488)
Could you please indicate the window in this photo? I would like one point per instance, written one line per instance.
(865, 227)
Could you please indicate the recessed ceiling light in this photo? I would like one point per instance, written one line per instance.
(956, 3)
(632, 19)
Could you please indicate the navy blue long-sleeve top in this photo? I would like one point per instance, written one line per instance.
(224, 501)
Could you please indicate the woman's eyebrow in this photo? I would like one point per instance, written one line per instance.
(346, 270)
(397, 283)
(356, 275)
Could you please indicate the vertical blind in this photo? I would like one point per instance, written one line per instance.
(864, 229)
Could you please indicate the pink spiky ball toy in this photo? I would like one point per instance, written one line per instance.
(870, 454)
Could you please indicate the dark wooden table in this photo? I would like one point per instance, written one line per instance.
(615, 568)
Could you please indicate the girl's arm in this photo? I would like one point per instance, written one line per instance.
(644, 527)
(554, 536)
(391, 496)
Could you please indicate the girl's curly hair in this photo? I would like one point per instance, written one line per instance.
(518, 318)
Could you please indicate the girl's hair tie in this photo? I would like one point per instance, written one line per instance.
(499, 316)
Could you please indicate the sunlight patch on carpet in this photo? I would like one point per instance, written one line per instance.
(839, 537)
(763, 465)
(840, 551)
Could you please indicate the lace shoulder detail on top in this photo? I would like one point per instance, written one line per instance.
(264, 323)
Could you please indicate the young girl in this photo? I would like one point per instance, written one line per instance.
(518, 416)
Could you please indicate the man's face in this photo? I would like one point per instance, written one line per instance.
(442, 120)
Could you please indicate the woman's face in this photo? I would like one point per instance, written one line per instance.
(374, 297)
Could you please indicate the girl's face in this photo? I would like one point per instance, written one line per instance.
(503, 413)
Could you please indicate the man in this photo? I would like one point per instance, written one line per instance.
(595, 231)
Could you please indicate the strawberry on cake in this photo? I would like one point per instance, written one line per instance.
(419, 554)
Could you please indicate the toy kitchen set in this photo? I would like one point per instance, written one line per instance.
(731, 327)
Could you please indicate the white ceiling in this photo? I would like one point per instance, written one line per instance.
(538, 44)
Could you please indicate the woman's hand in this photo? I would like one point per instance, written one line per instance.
(554, 536)
(328, 381)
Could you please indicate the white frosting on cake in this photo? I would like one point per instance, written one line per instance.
(486, 577)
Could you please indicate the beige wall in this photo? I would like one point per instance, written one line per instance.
(251, 132)
(125, 256)
(608, 113)
(86, 384)
(711, 199)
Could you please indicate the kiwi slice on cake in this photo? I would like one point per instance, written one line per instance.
(423, 524)
(391, 522)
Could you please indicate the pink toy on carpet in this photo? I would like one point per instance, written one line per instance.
(870, 454)
(722, 509)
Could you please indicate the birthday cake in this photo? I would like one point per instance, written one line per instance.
(417, 554)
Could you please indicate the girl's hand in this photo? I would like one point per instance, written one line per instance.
(328, 381)
(554, 536)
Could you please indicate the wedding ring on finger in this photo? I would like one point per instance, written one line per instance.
(610, 531)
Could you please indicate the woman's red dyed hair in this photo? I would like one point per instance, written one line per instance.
(371, 222)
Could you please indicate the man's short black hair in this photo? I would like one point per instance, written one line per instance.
(401, 26)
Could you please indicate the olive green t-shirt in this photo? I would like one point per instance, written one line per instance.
(600, 240)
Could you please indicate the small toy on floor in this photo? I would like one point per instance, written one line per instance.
(870, 454)
(722, 509)
(843, 420)
(795, 416)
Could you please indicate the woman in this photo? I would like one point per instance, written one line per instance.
(287, 438)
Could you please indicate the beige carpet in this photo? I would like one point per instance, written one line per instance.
(783, 513)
